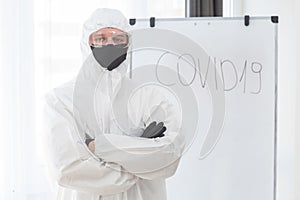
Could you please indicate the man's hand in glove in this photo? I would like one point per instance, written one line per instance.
(154, 130)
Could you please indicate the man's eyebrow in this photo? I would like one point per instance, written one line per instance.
(98, 34)
(123, 35)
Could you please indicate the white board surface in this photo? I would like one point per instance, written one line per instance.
(241, 165)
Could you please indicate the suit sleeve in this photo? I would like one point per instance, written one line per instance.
(146, 158)
(69, 160)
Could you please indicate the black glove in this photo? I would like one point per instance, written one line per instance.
(88, 139)
(154, 130)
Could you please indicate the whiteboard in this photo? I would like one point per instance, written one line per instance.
(237, 160)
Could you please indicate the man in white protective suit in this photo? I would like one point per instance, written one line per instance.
(106, 160)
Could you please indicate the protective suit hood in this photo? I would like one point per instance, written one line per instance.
(101, 18)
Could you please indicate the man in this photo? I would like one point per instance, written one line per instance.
(130, 162)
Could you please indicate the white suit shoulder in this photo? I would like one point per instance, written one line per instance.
(70, 164)
(62, 94)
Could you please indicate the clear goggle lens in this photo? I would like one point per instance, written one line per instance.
(100, 39)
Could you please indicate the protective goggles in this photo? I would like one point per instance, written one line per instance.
(109, 36)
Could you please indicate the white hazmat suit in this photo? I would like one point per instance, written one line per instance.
(124, 166)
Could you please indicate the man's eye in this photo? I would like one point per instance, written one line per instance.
(120, 39)
(99, 39)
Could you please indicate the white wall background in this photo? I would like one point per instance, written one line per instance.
(297, 132)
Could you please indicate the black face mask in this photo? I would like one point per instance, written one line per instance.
(110, 56)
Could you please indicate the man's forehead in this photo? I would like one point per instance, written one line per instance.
(108, 30)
